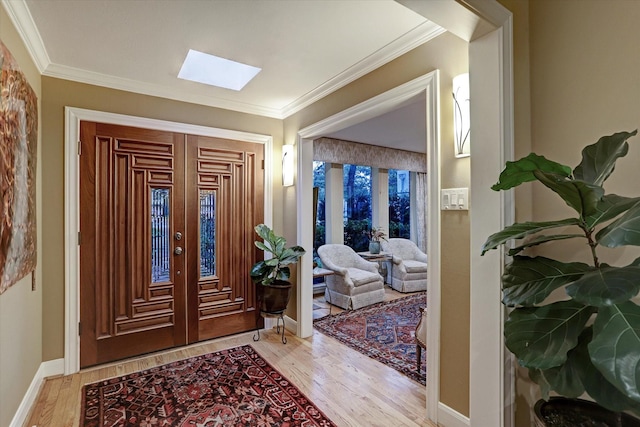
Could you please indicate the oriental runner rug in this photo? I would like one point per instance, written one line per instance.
(230, 388)
(384, 331)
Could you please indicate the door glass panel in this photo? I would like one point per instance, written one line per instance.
(207, 233)
(160, 233)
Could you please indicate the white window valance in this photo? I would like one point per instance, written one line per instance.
(355, 153)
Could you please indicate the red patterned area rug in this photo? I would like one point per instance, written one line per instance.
(384, 331)
(230, 388)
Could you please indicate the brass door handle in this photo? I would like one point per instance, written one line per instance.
(177, 250)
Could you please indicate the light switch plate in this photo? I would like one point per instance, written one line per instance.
(455, 199)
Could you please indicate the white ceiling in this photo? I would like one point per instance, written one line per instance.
(307, 49)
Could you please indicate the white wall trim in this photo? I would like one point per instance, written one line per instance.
(290, 324)
(414, 38)
(373, 107)
(46, 369)
(23, 22)
(429, 84)
(152, 89)
(73, 116)
(491, 73)
(447, 417)
(487, 26)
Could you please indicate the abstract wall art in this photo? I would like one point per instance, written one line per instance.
(18, 152)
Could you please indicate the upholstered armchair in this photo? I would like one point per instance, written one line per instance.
(355, 283)
(421, 336)
(409, 270)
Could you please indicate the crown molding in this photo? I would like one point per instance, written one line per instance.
(99, 79)
(410, 40)
(23, 21)
(375, 106)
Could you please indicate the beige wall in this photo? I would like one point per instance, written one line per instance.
(60, 93)
(576, 79)
(20, 307)
(448, 54)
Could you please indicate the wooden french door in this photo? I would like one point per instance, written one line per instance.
(166, 239)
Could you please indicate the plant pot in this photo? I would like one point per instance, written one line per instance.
(374, 247)
(274, 298)
(563, 412)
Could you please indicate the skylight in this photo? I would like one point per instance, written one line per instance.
(215, 71)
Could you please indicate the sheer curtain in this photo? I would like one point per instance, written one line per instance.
(421, 210)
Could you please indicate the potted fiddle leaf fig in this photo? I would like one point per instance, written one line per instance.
(585, 338)
(271, 275)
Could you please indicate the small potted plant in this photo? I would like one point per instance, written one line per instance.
(375, 235)
(272, 274)
(586, 336)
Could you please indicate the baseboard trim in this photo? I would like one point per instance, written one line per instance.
(448, 417)
(291, 325)
(46, 369)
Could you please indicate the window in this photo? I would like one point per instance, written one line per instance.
(319, 184)
(357, 206)
(399, 204)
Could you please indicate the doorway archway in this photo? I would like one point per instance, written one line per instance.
(428, 85)
(487, 26)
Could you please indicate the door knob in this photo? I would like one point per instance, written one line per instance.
(178, 236)
(177, 250)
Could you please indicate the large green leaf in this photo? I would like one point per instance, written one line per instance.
(272, 243)
(528, 281)
(283, 274)
(615, 347)
(540, 337)
(623, 231)
(564, 379)
(265, 233)
(543, 239)
(609, 207)
(259, 271)
(291, 255)
(579, 195)
(595, 384)
(599, 159)
(606, 286)
(262, 246)
(515, 173)
(520, 230)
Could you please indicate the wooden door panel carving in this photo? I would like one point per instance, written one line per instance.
(132, 313)
(138, 187)
(225, 300)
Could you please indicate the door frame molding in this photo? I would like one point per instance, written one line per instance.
(73, 116)
(429, 85)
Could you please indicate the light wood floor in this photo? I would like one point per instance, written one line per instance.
(350, 388)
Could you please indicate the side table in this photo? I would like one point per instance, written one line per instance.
(381, 258)
(323, 272)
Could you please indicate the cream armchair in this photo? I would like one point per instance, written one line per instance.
(355, 283)
(409, 270)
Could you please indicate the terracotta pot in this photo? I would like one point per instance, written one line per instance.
(274, 298)
(563, 412)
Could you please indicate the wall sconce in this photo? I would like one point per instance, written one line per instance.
(461, 115)
(287, 165)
